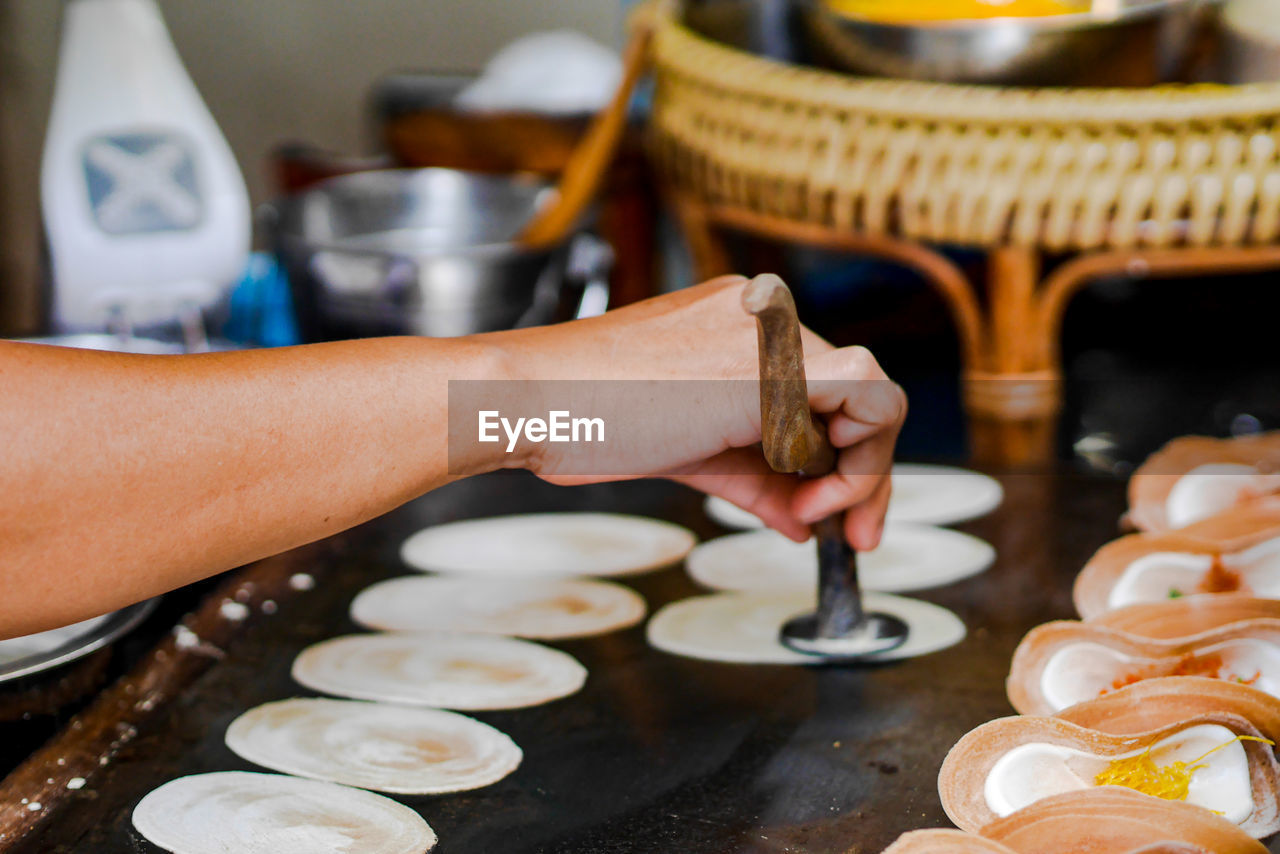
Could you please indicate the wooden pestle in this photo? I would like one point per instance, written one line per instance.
(793, 443)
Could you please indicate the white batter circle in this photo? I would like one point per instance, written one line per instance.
(743, 628)
(252, 813)
(922, 495)
(446, 671)
(549, 544)
(941, 495)
(378, 746)
(910, 557)
(540, 609)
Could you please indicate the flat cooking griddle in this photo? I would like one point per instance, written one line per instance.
(657, 753)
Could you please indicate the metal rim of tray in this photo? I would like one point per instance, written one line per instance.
(109, 630)
(1040, 23)
(275, 211)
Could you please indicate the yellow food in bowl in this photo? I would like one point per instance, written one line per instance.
(918, 11)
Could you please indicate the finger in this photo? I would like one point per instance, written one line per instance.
(813, 344)
(843, 431)
(818, 499)
(846, 363)
(851, 380)
(864, 524)
(859, 472)
(742, 477)
(877, 401)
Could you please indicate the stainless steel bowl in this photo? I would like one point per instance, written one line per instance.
(123, 343)
(1141, 43)
(416, 251)
(1250, 49)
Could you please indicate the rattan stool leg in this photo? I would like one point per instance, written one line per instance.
(1175, 262)
(710, 256)
(1013, 396)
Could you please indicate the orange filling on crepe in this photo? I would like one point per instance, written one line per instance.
(1209, 666)
(1219, 579)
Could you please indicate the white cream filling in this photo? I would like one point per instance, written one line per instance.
(1083, 671)
(1163, 575)
(1157, 577)
(1210, 489)
(1260, 566)
(1030, 772)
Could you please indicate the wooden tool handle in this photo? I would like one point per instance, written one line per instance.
(590, 160)
(792, 441)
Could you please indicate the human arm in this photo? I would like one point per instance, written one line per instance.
(125, 476)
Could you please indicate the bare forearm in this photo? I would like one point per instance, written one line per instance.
(123, 476)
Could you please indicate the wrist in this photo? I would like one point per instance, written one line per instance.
(498, 384)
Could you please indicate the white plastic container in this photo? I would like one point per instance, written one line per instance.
(145, 209)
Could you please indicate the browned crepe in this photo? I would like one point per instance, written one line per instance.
(1170, 657)
(1151, 484)
(964, 771)
(1243, 527)
(1225, 534)
(1190, 615)
(1111, 820)
(1158, 703)
(945, 842)
(1108, 820)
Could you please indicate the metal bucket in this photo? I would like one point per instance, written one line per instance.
(427, 252)
(1140, 43)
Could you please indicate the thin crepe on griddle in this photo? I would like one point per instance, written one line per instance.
(1189, 615)
(446, 671)
(1158, 703)
(250, 813)
(1199, 655)
(377, 746)
(1229, 534)
(1107, 820)
(549, 545)
(1112, 820)
(1152, 482)
(962, 780)
(939, 841)
(540, 609)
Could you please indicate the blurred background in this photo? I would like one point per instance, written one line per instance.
(270, 72)
(1055, 222)
(1150, 347)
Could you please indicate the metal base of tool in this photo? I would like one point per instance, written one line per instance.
(873, 635)
(793, 444)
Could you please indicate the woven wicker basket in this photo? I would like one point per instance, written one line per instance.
(1061, 169)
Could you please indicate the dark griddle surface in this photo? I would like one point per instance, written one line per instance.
(658, 753)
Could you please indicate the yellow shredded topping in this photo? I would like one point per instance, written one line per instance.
(1170, 782)
(908, 11)
(1142, 774)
